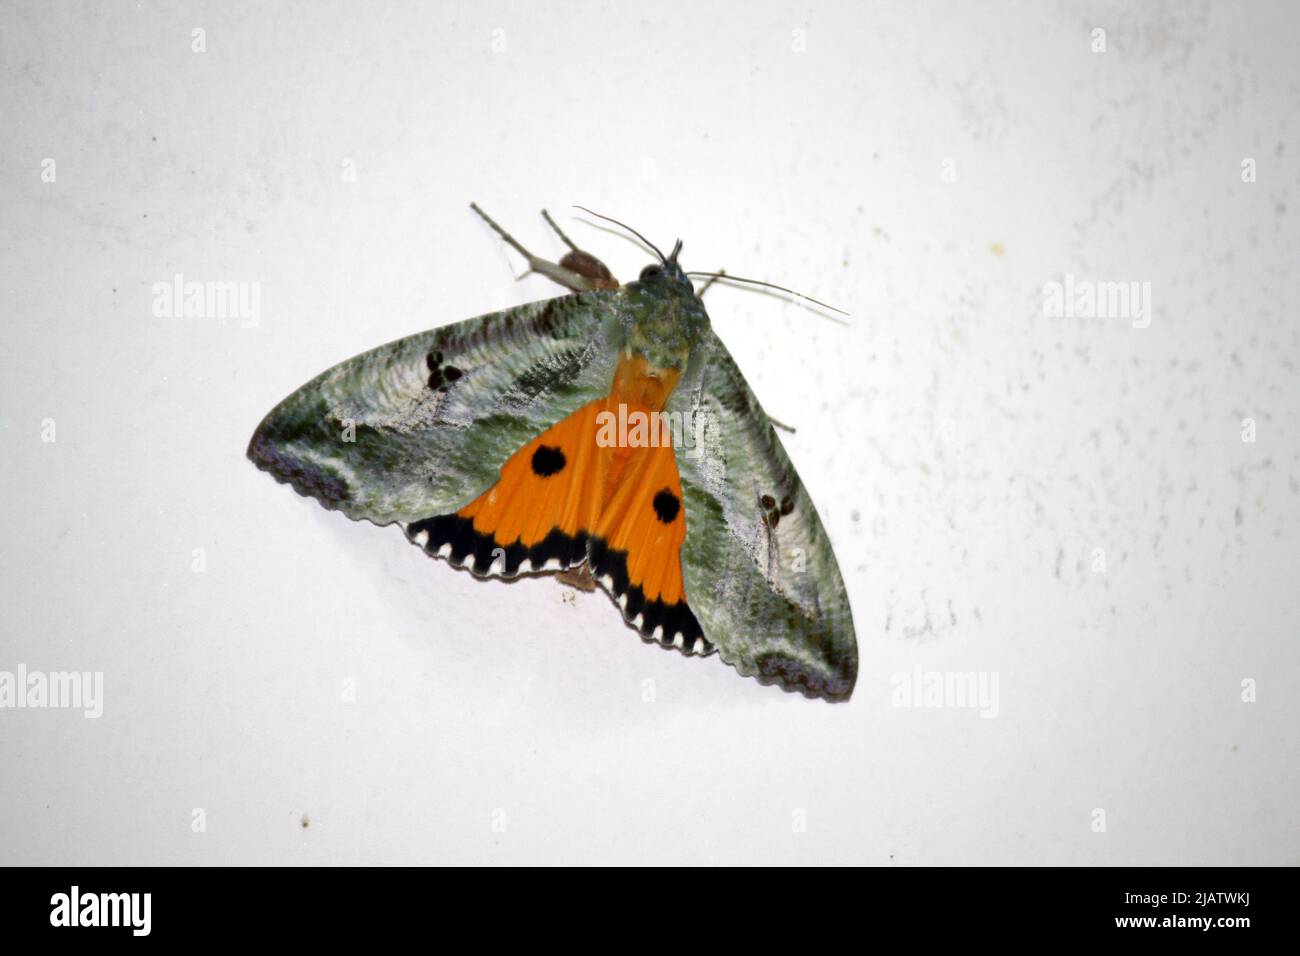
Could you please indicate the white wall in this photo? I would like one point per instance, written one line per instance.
(967, 452)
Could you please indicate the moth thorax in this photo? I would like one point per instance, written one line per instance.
(639, 383)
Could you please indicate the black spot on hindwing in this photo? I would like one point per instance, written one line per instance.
(666, 505)
(548, 460)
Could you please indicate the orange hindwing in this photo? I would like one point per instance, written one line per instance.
(570, 496)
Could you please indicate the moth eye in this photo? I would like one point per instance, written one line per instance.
(651, 272)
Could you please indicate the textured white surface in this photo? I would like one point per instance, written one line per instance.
(967, 453)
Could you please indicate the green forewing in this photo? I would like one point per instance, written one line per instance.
(766, 591)
(371, 437)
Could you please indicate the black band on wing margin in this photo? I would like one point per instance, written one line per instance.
(669, 625)
(454, 538)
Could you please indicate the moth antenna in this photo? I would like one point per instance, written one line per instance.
(781, 425)
(715, 276)
(628, 228)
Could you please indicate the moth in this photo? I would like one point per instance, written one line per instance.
(606, 435)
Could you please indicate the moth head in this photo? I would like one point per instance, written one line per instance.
(665, 270)
(665, 316)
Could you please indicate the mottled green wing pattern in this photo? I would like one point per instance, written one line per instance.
(421, 426)
(758, 567)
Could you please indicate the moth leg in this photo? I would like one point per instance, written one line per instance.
(581, 261)
(708, 285)
(567, 277)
